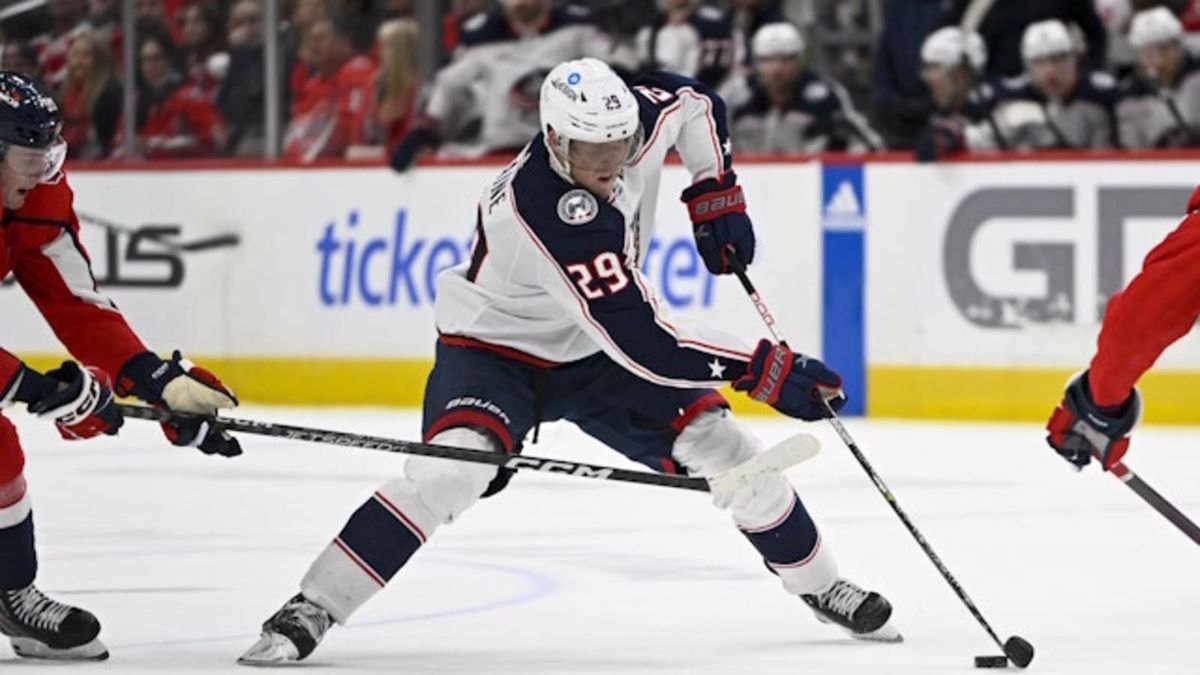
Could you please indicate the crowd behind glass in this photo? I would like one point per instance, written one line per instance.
(1031, 75)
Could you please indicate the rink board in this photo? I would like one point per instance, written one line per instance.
(967, 290)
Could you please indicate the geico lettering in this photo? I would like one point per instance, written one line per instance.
(380, 271)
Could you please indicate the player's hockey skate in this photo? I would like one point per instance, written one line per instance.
(42, 628)
(863, 614)
(290, 635)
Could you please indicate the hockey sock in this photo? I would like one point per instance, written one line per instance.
(791, 545)
(18, 558)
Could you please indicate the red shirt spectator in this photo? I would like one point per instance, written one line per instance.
(330, 109)
(175, 120)
(52, 47)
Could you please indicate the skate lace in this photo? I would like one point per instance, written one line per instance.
(35, 609)
(844, 598)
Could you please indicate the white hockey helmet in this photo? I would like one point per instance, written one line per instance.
(948, 47)
(584, 100)
(777, 39)
(1046, 38)
(1152, 26)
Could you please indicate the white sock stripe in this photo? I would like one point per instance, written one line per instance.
(362, 564)
(395, 511)
(775, 523)
(14, 513)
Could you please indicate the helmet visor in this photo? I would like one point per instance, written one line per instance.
(45, 163)
(605, 157)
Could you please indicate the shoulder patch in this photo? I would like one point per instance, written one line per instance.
(578, 207)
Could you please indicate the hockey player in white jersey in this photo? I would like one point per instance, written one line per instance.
(552, 319)
(505, 54)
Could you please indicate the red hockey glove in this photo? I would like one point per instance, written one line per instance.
(179, 386)
(1079, 428)
(81, 405)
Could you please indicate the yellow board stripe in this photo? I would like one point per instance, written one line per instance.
(1027, 394)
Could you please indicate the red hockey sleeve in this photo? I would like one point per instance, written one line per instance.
(1158, 307)
(57, 276)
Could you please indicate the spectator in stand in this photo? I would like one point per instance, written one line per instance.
(68, 22)
(1058, 103)
(150, 18)
(460, 12)
(398, 82)
(205, 56)
(1005, 22)
(902, 103)
(748, 17)
(951, 64)
(329, 113)
(90, 98)
(104, 15)
(789, 108)
(241, 93)
(294, 37)
(175, 119)
(506, 54)
(20, 57)
(1160, 107)
(691, 39)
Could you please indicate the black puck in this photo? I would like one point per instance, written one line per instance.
(991, 661)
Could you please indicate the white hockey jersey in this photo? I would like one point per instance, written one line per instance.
(555, 273)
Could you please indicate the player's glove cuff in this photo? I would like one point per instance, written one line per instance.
(1079, 428)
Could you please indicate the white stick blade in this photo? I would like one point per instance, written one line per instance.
(795, 450)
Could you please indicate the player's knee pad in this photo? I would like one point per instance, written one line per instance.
(714, 442)
(445, 487)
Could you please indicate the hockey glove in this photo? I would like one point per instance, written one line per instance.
(1079, 428)
(81, 404)
(416, 141)
(719, 221)
(179, 386)
(793, 384)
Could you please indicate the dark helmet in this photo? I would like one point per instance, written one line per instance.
(29, 117)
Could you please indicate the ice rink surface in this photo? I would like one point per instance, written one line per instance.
(182, 556)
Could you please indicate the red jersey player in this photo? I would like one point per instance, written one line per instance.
(39, 245)
(1161, 304)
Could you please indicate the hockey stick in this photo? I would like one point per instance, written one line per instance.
(1015, 648)
(1157, 501)
(790, 452)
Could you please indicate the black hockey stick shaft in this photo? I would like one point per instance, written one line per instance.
(1157, 501)
(345, 439)
(740, 270)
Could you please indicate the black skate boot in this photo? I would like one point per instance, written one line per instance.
(290, 635)
(41, 628)
(863, 614)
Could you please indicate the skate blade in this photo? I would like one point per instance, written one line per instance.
(885, 633)
(34, 649)
(271, 649)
